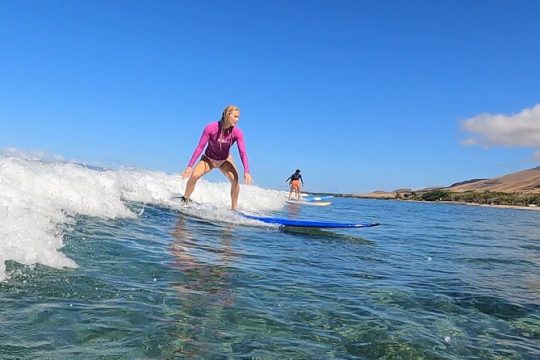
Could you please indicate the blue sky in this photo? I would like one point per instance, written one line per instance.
(360, 95)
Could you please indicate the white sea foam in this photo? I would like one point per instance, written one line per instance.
(38, 198)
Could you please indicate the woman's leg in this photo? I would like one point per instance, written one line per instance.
(200, 169)
(229, 170)
(291, 191)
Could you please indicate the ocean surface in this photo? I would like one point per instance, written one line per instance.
(106, 264)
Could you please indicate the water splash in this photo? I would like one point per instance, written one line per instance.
(38, 198)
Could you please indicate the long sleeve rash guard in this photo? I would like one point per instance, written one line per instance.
(219, 146)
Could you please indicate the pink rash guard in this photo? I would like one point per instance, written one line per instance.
(220, 146)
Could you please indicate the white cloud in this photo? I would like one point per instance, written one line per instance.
(521, 129)
(469, 142)
(27, 155)
(38, 155)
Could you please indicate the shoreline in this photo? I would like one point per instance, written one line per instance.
(533, 208)
(490, 206)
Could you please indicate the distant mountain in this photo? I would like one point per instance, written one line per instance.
(466, 182)
(526, 181)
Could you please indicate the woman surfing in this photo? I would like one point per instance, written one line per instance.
(218, 137)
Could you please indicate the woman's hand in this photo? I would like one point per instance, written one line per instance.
(187, 172)
(247, 179)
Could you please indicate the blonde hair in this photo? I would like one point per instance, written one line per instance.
(226, 113)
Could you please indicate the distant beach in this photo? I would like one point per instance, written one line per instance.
(391, 196)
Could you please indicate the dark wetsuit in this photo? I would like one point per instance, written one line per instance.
(295, 176)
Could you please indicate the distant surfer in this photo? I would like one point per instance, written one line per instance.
(219, 136)
(295, 186)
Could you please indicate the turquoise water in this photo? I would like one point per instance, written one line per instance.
(434, 281)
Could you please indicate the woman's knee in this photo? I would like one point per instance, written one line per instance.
(233, 177)
(195, 177)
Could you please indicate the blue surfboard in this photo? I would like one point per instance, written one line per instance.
(296, 223)
(307, 223)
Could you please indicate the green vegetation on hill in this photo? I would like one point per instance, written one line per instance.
(477, 197)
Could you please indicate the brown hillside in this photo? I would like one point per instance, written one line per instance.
(526, 181)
